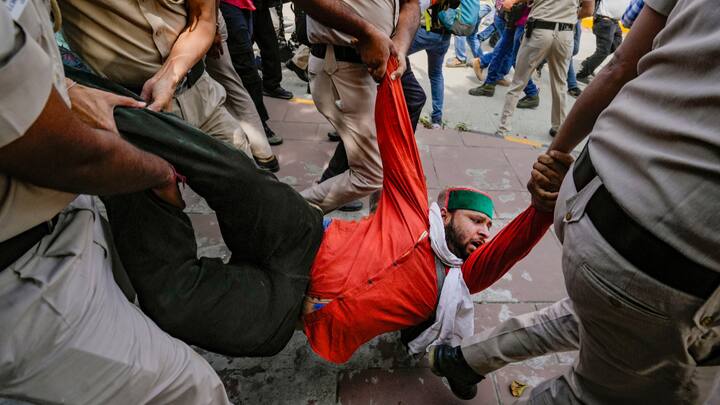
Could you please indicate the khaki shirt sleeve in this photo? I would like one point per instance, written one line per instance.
(25, 79)
(663, 7)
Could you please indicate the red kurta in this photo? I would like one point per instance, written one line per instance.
(380, 271)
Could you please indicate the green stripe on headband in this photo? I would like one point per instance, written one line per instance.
(461, 199)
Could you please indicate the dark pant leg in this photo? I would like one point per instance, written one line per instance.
(604, 36)
(239, 25)
(267, 41)
(414, 98)
(617, 38)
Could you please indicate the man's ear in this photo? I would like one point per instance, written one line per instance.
(446, 216)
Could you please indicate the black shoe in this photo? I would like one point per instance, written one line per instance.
(356, 205)
(552, 132)
(486, 90)
(270, 163)
(333, 136)
(583, 79)
(529, 102)
(575, 92)
(278, 92)
(273, 138)
(448, 362)
(299, 72)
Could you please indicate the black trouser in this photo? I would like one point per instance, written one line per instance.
(239, 24)
(267, 41)
(608, 37)
(248, 307)
(415, 100)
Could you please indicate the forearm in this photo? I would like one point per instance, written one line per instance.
(61, 152)
(491, 261)
(336, 14)
(407, 26)
(606, 85)
(194, 41)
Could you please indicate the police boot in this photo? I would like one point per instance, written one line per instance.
(448, 362)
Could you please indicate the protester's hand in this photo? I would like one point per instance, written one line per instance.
(216, 48)
(375, 49)
(546, 177)
(402, 64)
(170, 193)
(160, 89)
(95, 107)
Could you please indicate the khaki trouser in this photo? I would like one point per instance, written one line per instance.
(301, 57)
(640, 341)
(69, 335)
(555, 46)
(238, 101)
(202, 106)
(345, 94)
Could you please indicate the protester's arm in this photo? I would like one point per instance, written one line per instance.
(191, 45)
(587, 8)
(373, 45)
(405, 32)
(61, 152)
(606, 85)
(95, 107)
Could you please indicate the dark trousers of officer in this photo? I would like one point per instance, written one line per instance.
(240, 31)
(267, 41)
(247, 307)
(608, 37)
(415, 100)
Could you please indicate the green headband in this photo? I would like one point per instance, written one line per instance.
(465, 199)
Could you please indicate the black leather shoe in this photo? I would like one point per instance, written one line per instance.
(529, 102)
(575, 92)
(278, 92)
(273, 138)
(552, 132)
(270, 164)
(448, 362)
(301, 74)
(333, 136)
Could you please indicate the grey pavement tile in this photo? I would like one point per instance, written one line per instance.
(508, 204)
(207, 231)
(259, 386)
(531, 372)
(484, 168)
(276, 108)
(438, 137)
(297, 131)
(304, 113)
(487, 140)
(522, 162)
(488, 316)
(403, 386)
(428, 163)
(193, 202)
(302, 163)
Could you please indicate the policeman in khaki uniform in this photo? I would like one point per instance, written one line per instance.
(68, 333)
(548, 35)
(152, 48)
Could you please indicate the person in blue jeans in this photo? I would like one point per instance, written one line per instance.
(504, 58)
(573, 89)
(434, 39)
(473, 40)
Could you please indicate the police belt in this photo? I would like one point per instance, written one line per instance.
(12, 249)
(639, 246)
(342, 53)
(532, 24)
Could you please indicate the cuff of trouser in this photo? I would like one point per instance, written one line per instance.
(26, 79)
(475, 355)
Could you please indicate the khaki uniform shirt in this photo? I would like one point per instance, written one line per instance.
(30, 66)
(564, 11)
(657, 145)
(383, 14)
(126, 41)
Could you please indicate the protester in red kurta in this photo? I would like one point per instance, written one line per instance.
(378, 274)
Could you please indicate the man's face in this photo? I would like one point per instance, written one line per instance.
(465, 231)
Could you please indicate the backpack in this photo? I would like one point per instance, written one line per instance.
(463, 20)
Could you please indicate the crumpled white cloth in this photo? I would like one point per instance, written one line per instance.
(454, 316)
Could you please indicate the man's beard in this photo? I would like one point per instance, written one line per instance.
(452, 238)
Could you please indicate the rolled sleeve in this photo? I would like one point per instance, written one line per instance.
(663, 7)
(25, 77)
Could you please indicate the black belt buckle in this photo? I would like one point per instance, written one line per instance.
(192, 76)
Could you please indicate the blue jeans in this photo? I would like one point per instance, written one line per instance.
(436, 46)
(571, 79)
(475, 39)
(498, 25)
(504, 59)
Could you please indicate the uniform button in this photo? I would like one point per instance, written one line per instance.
(568, 216)
(706, 321)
